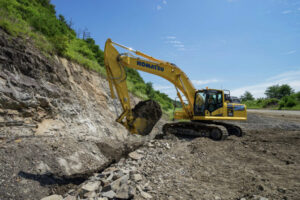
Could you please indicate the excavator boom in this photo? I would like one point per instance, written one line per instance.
(115, 64)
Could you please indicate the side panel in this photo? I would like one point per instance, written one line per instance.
(230, 111)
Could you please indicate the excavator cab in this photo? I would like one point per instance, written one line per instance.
(212, 104)
(208, 102)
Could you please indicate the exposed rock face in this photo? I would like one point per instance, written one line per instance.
(55, 120)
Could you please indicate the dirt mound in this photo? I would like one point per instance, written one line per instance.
(150, 112)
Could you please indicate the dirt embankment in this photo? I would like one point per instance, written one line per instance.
(57, 122)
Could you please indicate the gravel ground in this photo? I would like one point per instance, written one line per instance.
(295, 113)
(264, 164)
(277, 112)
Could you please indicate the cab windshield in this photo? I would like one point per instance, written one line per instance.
(209, 100)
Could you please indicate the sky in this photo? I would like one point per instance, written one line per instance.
(240, 45)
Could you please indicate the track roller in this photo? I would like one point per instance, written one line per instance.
(235, 130)
(216, 134)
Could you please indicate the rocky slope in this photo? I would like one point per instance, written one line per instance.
(57, 122)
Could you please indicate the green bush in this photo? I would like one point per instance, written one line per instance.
(33, 17)
(98, 53)
(287, 101)
(260, 100)
(283, 102)
(253, 104)
(297, 95)
(291, 102)
(269, 102)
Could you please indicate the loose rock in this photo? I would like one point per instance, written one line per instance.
(146, 195)
(53, 197)
(91, 186)
(110, 194)
(135, 156)
(137, 177)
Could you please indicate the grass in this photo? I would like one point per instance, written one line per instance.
(79, 52)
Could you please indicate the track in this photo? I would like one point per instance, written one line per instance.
(210, 129)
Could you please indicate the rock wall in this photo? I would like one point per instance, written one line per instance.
(57, 122)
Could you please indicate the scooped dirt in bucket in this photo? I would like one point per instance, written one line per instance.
(148, 111)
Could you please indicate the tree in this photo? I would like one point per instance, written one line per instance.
(247, 96)
(149, 90)
(285, 90)
(298, 96)
(272, 91)
(278, 92)
(98, 53)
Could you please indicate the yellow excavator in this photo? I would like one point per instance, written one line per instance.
(199, 116)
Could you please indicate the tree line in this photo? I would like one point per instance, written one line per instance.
(277, 96)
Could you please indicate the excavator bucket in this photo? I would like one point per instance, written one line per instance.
(146, 114)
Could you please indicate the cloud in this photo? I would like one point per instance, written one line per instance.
(290, 77)
(178, 45)
(289, 52)
(162, 87)
(170, 37)
(285, 12)
(175, 43)
(203, 82)
(231, 1)
(167, 88)
(159, 7)
(285, 75)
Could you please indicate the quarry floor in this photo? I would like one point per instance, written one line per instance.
(263, 164)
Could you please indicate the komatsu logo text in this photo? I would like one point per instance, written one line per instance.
(156, 67)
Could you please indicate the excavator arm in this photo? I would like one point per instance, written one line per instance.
(115, 64)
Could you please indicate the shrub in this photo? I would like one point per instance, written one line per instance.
(287, 101)
(297, 95)
(290, 102)
(98, 53)
(260, 100)
(270, 102)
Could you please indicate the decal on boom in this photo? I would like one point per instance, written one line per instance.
(150, 66)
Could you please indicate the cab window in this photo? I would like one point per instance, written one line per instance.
(199, 106)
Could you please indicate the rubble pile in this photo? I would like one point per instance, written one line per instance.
(123, 180)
